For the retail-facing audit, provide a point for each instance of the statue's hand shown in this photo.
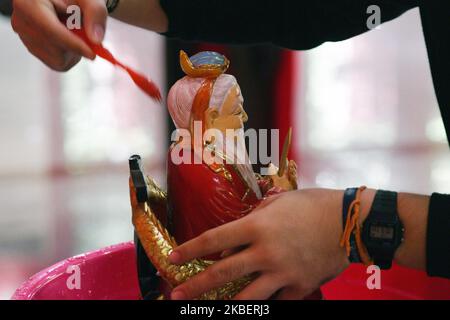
(288, 181)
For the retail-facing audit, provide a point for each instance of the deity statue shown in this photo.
(210, 179)
(222, 190)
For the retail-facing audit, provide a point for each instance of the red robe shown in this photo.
(202, 197)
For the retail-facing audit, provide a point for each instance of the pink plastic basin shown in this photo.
(106, 274)
(110, 273)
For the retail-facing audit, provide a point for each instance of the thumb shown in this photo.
(94, 19)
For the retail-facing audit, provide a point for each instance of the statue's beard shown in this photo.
(234, 148)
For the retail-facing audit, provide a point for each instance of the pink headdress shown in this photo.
(205, 85)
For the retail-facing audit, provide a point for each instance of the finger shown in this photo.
(73, 60)
(94, 18)
(29, 33)
(217, 275)
(57, 53)
(290, 294)
(39, 53)
(230, 252)
(216, 240)
(58, 58)
(261, 289)
(52, 56)
(226, 253)
(61, 6)
(45, 20)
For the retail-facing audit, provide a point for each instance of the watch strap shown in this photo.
(349, 197)
(383, 214)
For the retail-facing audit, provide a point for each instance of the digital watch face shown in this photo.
(382, 232)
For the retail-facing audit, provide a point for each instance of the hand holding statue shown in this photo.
(292, 255)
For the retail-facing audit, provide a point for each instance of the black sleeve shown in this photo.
(6, 7)
(438, 236)
(436, 27)
(295, 24)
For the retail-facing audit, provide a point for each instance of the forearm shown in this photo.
(294, 24)
(146, 14)
(413, 212)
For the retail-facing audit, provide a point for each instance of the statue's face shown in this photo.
(231, 116)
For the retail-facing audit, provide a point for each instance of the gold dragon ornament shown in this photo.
(158, 244)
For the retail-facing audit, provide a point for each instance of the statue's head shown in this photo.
(207, 94)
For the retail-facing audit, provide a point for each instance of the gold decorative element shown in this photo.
(204, 71)
(247, 192)
(221, 170)
(155, 193)
(284, 154)
(158, 244)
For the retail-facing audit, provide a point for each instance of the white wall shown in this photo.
(367, 113)
(86, 122)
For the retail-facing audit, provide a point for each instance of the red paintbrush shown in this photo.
(140, 80)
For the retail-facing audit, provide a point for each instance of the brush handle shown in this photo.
(145, 84)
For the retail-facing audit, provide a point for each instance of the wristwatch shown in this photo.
(383, 230)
